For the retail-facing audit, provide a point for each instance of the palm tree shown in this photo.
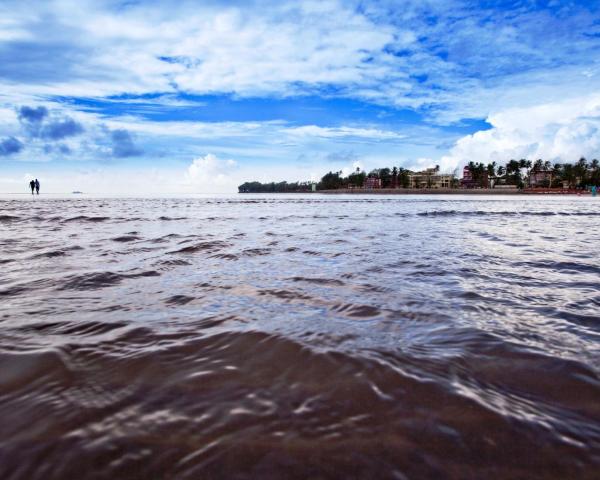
(512, 169)
(528, 171)
(480, 173)
(569, 174)
(522, 163)
(403, 177)
(595, 175)
(580, 169)
(557, 172)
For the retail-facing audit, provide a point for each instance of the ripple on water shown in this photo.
(300, 337)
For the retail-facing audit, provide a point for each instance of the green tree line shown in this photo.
(390, 178)
(519, 173)
(515, 172)
(279, 187)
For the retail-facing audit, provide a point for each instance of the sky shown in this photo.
(199, 96)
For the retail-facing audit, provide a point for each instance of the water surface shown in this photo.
(300, 337)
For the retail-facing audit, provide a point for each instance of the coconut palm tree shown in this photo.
(557, 174)
(513, 171)
(595, 172)
(581, 170)
(569, 174)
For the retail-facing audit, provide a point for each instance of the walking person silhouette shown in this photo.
(32, 186)
(37, 186)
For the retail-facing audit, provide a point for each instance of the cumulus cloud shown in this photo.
(559, 132)
(422, 163)
(212, 174)
(61, 128)
(10, 146)
(31, 118)
(123, 144)
(38, 122)
(423, 55)
(32, 114)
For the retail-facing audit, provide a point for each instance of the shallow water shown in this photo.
(300, 337)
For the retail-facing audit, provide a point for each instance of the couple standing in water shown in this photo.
(35, 185)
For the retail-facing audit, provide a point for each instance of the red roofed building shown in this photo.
(372, 182)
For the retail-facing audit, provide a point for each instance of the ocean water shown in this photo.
(300, 337)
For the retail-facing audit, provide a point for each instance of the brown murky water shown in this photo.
(300, 337)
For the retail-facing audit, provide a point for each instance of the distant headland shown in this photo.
(515, 177)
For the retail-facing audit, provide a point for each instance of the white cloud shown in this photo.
(421, 164)
(342, 132)
(351, 169)
(212, 174)
(561, 131)
(410, 54)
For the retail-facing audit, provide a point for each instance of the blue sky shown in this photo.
(183, 97)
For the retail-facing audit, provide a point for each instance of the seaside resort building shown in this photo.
(372, 182)
(430, 178)
(468, 181)
(540, 178)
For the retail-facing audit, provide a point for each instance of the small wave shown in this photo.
(89, 328)
(84, 218)
(19, 369)
(126, 238)
(253, 252)
(51, 254)
(173, 263)
(179, 300)
(318, 281)
(97, 280)
(359, 311)
(165, 238)
(225, 256)
(562, 266)
(208, 246)
(284, 294)
(91, 281)
(9, 218)
(167, 219)
(496, 213)
(27, 287)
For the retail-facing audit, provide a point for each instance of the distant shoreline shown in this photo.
(439, 191)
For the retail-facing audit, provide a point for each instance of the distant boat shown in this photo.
(76, 192)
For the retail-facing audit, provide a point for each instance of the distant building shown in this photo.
(430, 178)
(540, 178)
(469, 181)
(372, 182)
